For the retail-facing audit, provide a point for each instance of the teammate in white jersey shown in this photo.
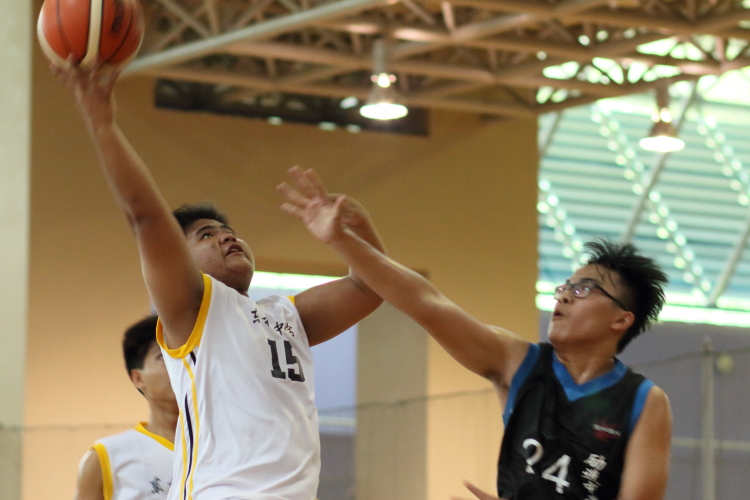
(242, 372)
(136, 464)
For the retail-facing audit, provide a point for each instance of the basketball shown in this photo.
(86, 29)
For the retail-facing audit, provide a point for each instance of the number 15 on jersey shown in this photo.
(291, 361)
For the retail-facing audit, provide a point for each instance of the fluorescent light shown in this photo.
(662, 143)
(383, 111)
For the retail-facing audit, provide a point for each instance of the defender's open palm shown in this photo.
(324, 214)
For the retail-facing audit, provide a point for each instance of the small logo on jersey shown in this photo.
(606, 432)
(156, 486)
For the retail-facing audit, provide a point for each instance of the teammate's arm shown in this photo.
(647, 456)
(329, 309)
(90, 483)
(489, 352)
(173, 280)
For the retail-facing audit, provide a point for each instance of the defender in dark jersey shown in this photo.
(580, 425)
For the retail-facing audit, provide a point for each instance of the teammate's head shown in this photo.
(214, 246)
(143, 360)
(640, 278)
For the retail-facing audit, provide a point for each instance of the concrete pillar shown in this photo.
(15, 139)
(391, 443)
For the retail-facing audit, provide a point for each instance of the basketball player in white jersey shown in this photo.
(580, 425)
(241, 371)
(136, 464)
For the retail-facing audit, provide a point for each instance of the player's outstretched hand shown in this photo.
(92, 89)
(481, 495)
(324, 214)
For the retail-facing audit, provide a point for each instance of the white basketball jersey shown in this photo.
(136, 465)
(248, 425)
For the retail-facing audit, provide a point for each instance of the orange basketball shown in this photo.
(109, 29)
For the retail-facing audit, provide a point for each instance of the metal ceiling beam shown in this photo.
(414, 33)
(530, 6)
(515, 76)
(731, 265)
(636, 89)
(265, 29)
(533, 13)
(714, 25)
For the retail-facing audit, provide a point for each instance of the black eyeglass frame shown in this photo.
(577, 288)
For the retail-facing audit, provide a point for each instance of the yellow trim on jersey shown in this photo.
(197, 333)
(108, 486)
(197, 426)
(291, 298)
(141, 427)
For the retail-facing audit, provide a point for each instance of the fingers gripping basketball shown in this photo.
(84, 30)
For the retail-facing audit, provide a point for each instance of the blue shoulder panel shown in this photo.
(519, 378)
(639, 403)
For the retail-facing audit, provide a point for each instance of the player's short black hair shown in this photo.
(136, 342)
(643, 279)
(188, 213)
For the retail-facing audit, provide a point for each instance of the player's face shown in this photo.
(596, 318)
(153, 379)
(220, 254)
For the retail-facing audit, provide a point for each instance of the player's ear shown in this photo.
(137, 379)
(623, 321)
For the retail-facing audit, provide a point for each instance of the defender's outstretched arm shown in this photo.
(329, 309)
(487, 351)
(173, 280)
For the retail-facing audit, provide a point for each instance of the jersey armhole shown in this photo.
(107, 479)
(519, 378)
(195, 336)
(640, 401)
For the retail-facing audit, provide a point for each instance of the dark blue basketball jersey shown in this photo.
(563, 440)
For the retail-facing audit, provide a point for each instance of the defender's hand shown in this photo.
(481, 495)
(322, 213)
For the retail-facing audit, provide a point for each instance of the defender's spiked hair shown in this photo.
(642, 277)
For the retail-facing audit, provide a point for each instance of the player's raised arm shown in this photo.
(482, 349)
(173, 280)
(646, 470)
(329, 309)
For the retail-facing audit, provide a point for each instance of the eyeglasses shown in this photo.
(583, 289)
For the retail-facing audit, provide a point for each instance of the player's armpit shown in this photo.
(329, 309)
(90, 483)
(647, 456)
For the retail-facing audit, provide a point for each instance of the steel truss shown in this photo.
(483, 56)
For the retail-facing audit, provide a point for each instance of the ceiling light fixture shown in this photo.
(663, 136)
(383, 101)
